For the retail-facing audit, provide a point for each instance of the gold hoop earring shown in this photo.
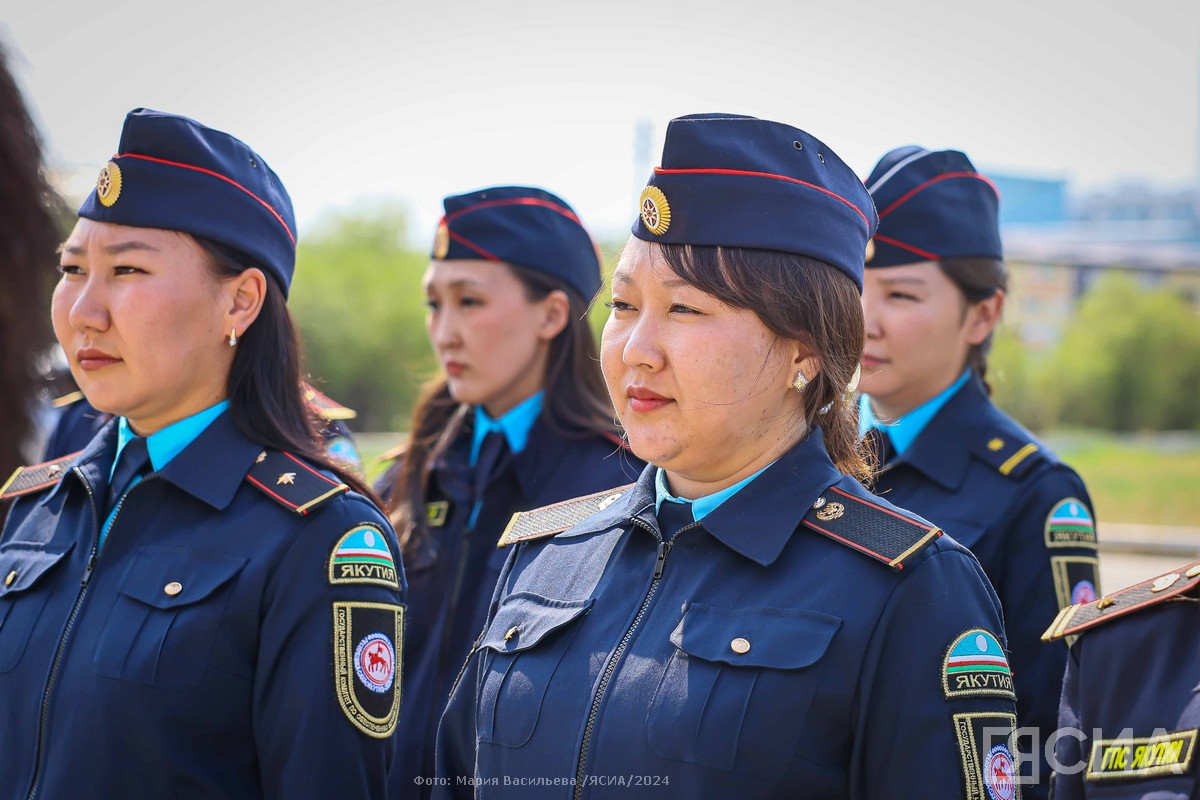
(233, 340)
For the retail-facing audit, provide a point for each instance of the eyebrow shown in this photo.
(671, 283)
(112, 249)
(891, 281)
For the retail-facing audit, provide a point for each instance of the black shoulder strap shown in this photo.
(883, 532)
(291, 482)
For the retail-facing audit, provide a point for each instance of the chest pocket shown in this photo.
(738, 685)
(522, 649)
(161, 629)
(23, 594)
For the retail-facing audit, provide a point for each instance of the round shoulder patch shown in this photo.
(1000, 773)
(1070, 524)
(362, 555)
(975, 665)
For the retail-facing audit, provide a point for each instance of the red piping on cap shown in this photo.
(230, 181)
(516, 201)
(838, 197)
(468, 243)
(922, 187)
(925, 254)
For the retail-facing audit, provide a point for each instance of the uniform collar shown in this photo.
(904, 431)
(514, 424)
(756, 521)
(701, 506)
(167, 443)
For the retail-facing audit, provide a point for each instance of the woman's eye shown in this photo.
(70, 269)
(126, 270)
(618, 305)
(902, 296)
(679, 308)
(470, 302)
(431, 304)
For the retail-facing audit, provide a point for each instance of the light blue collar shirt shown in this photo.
(905, 430)
(514, 424)
(701, 506)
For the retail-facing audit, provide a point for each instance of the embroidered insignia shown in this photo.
(655, 210)
(556, 518)
(367, 662)
(986, 747)
(441, 240)
(1075, 576)
(1070, 524)
(1167, 754)
(995, 444)
(870, 254)
(306, 490)
(975, 666)
(35, 478)
(362, 555)
(108, 184)
(1077, 618)
(884, 533)
(831, 512)
(436, 513)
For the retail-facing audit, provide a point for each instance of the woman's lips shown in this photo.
(872, 363)
(644, 400)
(91, 359)
(454, 369)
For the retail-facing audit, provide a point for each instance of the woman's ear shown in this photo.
(556, 310)
(245, 294)
(983, 317)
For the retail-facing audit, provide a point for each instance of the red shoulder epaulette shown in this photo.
(885, 534)
(32, 479)
(1083, 616)
(291, 482)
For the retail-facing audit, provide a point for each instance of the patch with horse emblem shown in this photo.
(975, 666)
(362, 555)
(1070, 524)
(367, 661)
(985, 745)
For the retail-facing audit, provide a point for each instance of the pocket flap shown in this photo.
(761, 636)
(26, 562)
(167, 577)
(524, 619)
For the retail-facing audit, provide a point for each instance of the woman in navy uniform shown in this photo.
(934, 292)
(1130, 712)
(197, 605)
(746, 620)
(519, 419)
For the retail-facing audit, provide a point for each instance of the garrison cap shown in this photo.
(932, 205)
(173, 173)
(523, 226)
(738, 181)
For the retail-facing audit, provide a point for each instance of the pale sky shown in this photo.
(360, 101)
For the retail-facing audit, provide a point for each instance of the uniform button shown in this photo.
(1165, 582)
(511, 632)
(1193, 572)
(173, 588)
(740, 646)
(12, 576)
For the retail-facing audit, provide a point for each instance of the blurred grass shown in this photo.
(1153, 480)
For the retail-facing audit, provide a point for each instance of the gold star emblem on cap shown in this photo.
(655, 210)
(287, 477)
(108, 184)
(870, 251)
(995, 444)
(441, 240)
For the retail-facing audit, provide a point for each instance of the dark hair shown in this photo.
(266, 394)
(29, 232)
(978, 279)
(799, 299)
(576, 406)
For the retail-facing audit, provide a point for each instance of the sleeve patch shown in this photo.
(985, 746)
(1168, 754)
(1076, 579)
(367, 664)
(1070, 524)
(362, 555)
(975, 666)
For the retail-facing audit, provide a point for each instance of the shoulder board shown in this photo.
(291, 482)
(1084, 616)
(1010, 455)
(549, 520)
(67, 399)
(32, 479)
(884, 533)
(325, 407)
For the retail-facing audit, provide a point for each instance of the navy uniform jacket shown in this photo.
(1025, 515)
(450, 588)
(1130, 710)
(209, 648)
(764, 652)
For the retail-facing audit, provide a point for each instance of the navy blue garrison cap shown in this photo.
(932, 205)
(523, 226)
(173, 173)
(738, 181)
